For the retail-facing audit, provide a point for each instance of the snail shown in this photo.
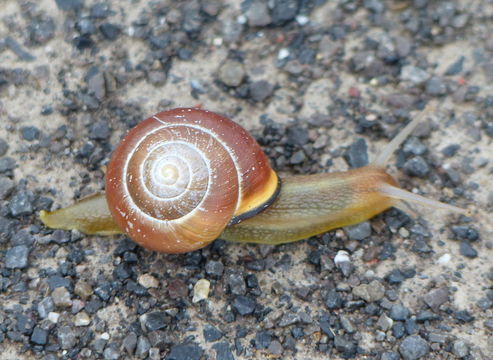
(184, 177)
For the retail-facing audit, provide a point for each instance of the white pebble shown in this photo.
(444, 259)
(201, 290)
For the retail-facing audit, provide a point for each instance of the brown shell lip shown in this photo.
(239, 218)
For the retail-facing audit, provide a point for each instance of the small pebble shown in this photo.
(148, 281)
(17, 257)
(231, 73)
(82, 319)
(201, 290)
(61, 297)
(414, 347)
(4, 147)
(245, 305)
(467, 250)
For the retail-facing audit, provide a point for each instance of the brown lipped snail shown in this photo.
(184, 177)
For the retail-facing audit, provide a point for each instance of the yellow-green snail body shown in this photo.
(184, 177)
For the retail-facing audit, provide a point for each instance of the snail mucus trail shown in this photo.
(184, 177)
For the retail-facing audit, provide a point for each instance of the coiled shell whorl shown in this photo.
(180, 177)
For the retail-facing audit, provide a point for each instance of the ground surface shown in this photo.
(316, 82)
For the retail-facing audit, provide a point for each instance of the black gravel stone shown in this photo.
(416, 166)
(333, 300)
(456, 67)
(414, 347)
(30, 133)
(7, 164)
(411, 326)
(41, 30)
(100, 10)
(7, 186)
(297, 135)
(463, 232)
(414, 147)
(21, 203)
(223, 351)
(398, 330)
(155, 321)
(436, 86)
(399, 312)
(39, 336)
(260, 90)
(262, 340)
(214, 268)
(83, 42)
(463, 316)
(100, 130)
(110, 31)
(93, 306)
(357, 154)
(45, 306)
(390, 355)
(4, 147)
(236, 283)
(103, 291)
(284, 11)
(70, 5)
(86, 26)
(56, 281)
(450, 150)
(359, 231)
(395, 277)
(67, 337)
(17, 257)
(467, 250)
(244, 305)
(346, 347)
(186, 351)
(211, 333)
(426, 315)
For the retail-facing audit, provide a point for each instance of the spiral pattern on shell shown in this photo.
(181, 176)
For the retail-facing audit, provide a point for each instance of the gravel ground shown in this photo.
(320, 84)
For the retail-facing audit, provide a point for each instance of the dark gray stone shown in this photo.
(6, 187)
(357, 154)
(284, 10)
(70, 5)
(245, 305)
(66, 337)
(414, 347)
(436, 86)
(7, 164)
(186, 351)
(39, 336)
(467, 250)
(154, 321)
(21, 203)
(416, 166)
(17, 257)
(359, 231)
(214, 268)
(223, 351)
(211, 333)
(4, 147)
(260, 90)
(399, 312)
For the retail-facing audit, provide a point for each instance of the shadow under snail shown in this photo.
(184, 177)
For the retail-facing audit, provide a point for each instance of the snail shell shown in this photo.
(181, 176)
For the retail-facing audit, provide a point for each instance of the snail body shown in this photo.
(187, 176)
